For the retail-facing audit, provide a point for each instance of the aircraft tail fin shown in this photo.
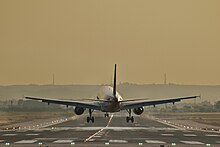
(114, 85)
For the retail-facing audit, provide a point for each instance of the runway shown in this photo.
(112, 131)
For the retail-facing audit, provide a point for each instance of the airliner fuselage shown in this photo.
(109, 102)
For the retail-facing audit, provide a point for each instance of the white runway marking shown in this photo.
(90, 137)
(167, 134)
(192, 142)
(9, 134)
(116, 129)
(1, 140)
(32, 134)
(218, 141)
(154, 141)
(63, 141)
(189, 135)
(118, 141)
(26, 141)
(212, 135)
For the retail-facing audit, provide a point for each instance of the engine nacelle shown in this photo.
(138, 111)
(79, 110)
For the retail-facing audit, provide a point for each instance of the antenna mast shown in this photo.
(53, 80)
(165, 79)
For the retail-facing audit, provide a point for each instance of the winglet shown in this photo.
(114, 86)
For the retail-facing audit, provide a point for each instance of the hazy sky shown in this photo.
(80, 40)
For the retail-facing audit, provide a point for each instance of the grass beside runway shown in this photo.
(205, 118)
(7, 118)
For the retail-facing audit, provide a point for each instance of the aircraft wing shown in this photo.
(89, 105)
(141, 103)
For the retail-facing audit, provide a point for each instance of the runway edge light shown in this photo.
(7, 143)
(173, 144)
(140, 143)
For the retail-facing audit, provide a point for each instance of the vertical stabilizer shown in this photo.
(114, 86)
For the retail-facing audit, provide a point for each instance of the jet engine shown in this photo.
(138, 111)
(79, 110)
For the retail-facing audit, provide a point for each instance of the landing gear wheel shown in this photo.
(128, 118)
(90, 117)
(106, 115)
(132, 119)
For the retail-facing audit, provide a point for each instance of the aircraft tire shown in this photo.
(88, 119)
(127, 119)
(132, 119)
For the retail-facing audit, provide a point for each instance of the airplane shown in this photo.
(110, 101)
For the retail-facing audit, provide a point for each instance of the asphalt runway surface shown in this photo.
(112, 131)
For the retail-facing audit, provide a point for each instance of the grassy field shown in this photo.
(206, 118)
(7, 118)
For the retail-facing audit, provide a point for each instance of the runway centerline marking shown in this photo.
(90, 137)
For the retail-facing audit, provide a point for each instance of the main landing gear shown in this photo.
(106, 114)
(90, 117)
(129, 117)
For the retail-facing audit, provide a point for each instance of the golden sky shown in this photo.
(80, 40)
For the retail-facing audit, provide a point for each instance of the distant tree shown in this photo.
(187, 108)
(217, 105)
(174, 108)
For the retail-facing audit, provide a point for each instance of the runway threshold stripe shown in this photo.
(26, 141)
(167, 134)
(9, 134)
(154, 141)
(189, 135)
(63, 141)
(32, 134)
(192, 142)
(212, 135)
(118, 141)
(90, 137)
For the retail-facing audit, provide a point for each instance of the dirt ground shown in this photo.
(196, 120)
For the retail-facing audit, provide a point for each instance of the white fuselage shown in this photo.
(109, 102)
